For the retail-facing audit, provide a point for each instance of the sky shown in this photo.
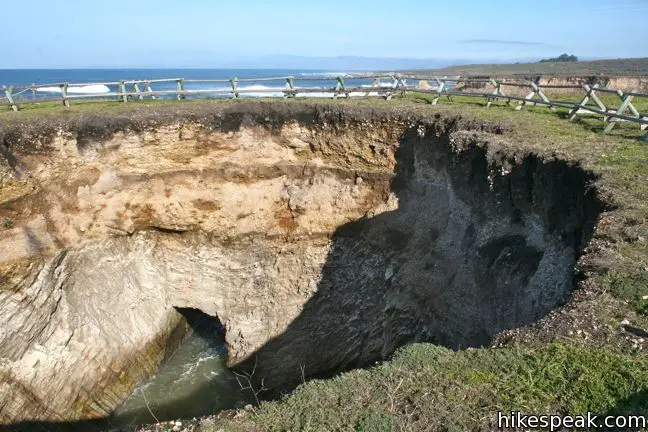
(208, 33)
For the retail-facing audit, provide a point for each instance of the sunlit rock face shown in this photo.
(321, 237)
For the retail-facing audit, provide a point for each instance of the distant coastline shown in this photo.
(611, 67)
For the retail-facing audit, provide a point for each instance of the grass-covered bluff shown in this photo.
(427, 387)
(587, 356)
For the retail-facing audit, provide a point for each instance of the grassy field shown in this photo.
(615, 67)
(593, 122)
(590, 122)
(590, 355)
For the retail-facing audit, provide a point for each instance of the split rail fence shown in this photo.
(130, 90)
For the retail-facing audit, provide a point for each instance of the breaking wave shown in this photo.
(88, 89)
(326, 74)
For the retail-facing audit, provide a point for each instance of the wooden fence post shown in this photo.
(234, 84)
(543, 96)
(122, 91)
(8, 94)
(374, 83)
(181, 89)
(149, 89)
(626, 102)
(64, 95)
(400, 83)
(590, 92)
(136, 89)
(33, 90)
(535, 90)
(524, 102)
(290, 87)
(340, 87)
(389, 94)
(631, 107)
(497, 92)
(440, 89)
(445, 89)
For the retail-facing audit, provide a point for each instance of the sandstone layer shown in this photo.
(321, 237)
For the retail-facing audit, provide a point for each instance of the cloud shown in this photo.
(504, 42)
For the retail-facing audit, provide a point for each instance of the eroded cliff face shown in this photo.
(322, 238)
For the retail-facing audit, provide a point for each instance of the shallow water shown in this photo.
(195, 381)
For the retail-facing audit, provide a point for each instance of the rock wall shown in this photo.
(322, 238)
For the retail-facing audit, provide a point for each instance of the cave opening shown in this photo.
(193, 381)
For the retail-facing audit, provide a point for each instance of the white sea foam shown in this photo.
(190, 369)
(263, 91)
(89, 89)
(326, 74)
(245, 91)
(274, 91)
(389, 84)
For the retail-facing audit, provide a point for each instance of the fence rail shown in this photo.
(129, 90)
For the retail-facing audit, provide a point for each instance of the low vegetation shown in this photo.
(427, 387)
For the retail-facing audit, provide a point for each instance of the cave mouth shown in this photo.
(193, 381)
(320, 249)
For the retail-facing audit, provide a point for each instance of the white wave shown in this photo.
(341, 95)
(245, 91)
(89, 89)
(389, 84)
(279, 91)
(189, 369)
(264, 93)
(326, 74)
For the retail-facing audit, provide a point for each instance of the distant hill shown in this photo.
(613, 67)
(346, 63)
(340, 63)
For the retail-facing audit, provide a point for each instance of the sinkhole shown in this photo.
(277, 241)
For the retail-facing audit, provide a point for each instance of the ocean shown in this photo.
(95, 81)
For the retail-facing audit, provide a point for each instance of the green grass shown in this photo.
(592, 122)
(86, 107)
(426, 387)
(633, 288)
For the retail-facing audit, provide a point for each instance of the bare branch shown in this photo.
(248, 378)
(148, 407)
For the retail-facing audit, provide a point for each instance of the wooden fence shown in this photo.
(131, 90)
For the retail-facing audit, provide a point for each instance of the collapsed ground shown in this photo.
(607, 312)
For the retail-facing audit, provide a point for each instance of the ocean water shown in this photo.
(194, 382)
(97, 81)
